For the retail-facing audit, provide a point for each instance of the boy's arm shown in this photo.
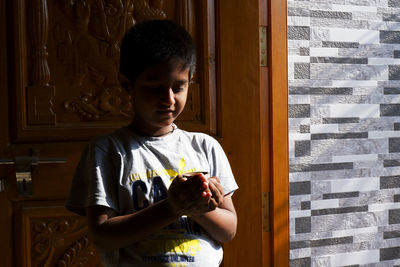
(109, 231)
(221, 221)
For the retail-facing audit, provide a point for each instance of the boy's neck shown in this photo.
(152, 133)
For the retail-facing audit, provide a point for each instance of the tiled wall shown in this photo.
(344, 109)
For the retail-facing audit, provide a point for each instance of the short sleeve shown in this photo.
(220, 167)
(94, 182)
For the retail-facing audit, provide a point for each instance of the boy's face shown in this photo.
(159, 96)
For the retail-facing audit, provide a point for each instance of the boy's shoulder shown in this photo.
(200, 137)
(114, 138)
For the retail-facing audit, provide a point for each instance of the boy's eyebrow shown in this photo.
(157, 81)
(182, 81)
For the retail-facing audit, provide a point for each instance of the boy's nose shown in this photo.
(168, 97)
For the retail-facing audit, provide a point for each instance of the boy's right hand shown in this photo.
(189, 196)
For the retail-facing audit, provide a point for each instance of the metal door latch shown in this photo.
(23, 171)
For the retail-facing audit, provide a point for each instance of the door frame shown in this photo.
(255, 107)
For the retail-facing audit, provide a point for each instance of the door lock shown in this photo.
(23, 171)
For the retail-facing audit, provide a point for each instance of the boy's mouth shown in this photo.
(165, 111)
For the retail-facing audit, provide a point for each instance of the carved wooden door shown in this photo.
(60, 87)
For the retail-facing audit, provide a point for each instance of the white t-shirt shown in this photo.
(128, 172)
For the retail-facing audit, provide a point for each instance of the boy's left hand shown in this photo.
(217, 193)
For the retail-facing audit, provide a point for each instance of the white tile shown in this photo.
(324, 204)
(383, 206)
(355, 231)
(391, 99)
(355, 184)
(324, 52)
(298, 43)
(299, 213)
(383, 61)
(354, 110)
(351, 35)
(298, 21)
(299, 99)
(347, 158)
(353, 83)
(360, 257)
(383, 134)
(299, 59)
(324, 128)
(350, 8)
(299, 136)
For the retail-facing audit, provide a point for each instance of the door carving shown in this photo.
(66, 65)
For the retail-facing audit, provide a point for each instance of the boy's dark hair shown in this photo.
(151, 42)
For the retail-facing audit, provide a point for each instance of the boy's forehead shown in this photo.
(166, 71)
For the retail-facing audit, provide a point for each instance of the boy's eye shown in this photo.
(177, 89)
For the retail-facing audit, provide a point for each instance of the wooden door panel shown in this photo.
(65, 63)
(49, 235)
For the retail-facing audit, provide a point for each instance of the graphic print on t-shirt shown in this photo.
(177, 243)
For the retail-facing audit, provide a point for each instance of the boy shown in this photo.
(137, 186)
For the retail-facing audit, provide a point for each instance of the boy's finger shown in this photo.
(217, 193)
(216, 185)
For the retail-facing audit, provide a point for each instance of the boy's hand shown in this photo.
(189, 196)
(217, 193)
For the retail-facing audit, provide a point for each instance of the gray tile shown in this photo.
(302, 262)
(300, 244)
(298, 12)
(299, 111)
(302, 148)
(340, 195)
(394, 145)
(391, 163)
(394, 3)
(305, 205)
(387, 182)
(330, 14)
(390, 17)
(339, 210)
(304, 51)
(322, 136)
(332, 241)
(394, 216)
(340, 44)
(340, 120)
(389, 37)
(302, 70)
(391, 234)
(389, 110)
(389, 253)
(303, 225)
(394, 72)
(302, 90)
(298, 33)
(320, 167)
(304, 128)
(391, 90)
(339, 60)
(300, 188)
(299, 90)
